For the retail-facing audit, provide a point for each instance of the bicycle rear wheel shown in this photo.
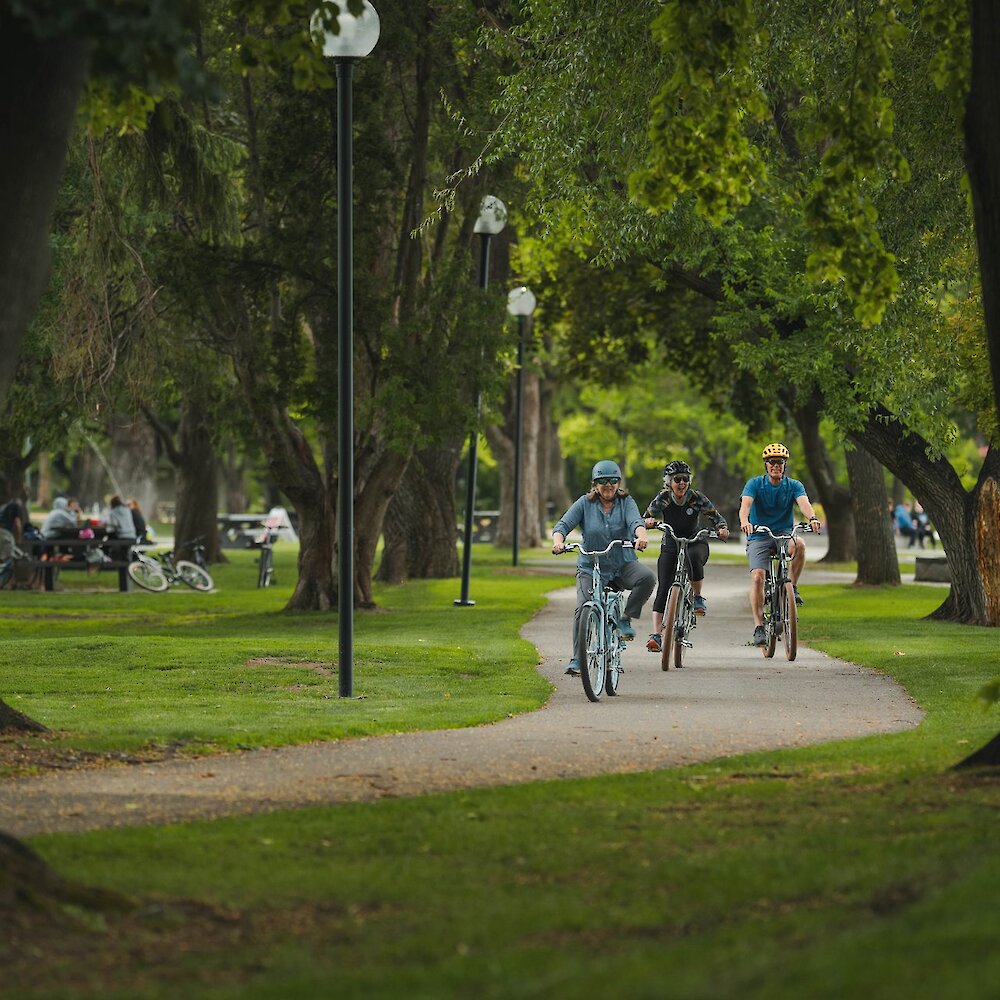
(772, 620)
(266, 567)
(614, 647)
(194, 576)
(789, 622)
(593, 666)
(670, 626)
(682, 629)
(147, 575)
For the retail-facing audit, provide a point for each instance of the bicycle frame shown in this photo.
(779, 611)
(599, 643)
(678, 617)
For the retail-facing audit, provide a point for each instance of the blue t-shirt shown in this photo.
(773, 506)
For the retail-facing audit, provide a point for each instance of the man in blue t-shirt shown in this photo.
(770, 500)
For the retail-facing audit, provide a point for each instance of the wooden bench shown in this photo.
(49, 555)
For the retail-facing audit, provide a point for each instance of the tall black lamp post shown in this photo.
(355, 40)
(520, 303)
(492, 219)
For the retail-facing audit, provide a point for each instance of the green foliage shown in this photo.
(703, 110)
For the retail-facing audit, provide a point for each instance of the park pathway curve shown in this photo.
(728, 700)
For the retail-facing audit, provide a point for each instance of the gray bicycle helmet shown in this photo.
(605, 468)
(676, 468)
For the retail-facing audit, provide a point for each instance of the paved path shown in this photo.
(728, 700)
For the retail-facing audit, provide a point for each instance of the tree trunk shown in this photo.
(41, 81)
(553, 494)
(420, 526)
(377, 482)
(878, 563)
(11, 720)
(836, 500)
(133, 460)
(967, 522)
(197, 484)
(982, 159)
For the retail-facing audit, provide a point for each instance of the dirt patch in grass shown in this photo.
(322, 669)
(24, 755)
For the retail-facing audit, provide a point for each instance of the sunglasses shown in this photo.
(680, 479)
(607, 481)
(774, 461)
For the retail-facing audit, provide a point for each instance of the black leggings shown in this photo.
(666, 567)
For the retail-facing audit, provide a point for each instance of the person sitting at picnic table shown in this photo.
(119, 522)
(61, 521)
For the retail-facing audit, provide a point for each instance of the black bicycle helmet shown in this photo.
(676, 468)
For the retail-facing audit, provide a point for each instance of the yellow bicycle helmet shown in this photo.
(775, 450)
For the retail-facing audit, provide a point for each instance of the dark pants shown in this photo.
(666, 567)
(637, 579)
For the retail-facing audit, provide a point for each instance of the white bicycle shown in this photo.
(159, 573)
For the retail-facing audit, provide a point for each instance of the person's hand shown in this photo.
(745, 527)
(814, 524)
(558, 547)
(650, 522)
(641, 543)
(723, 533)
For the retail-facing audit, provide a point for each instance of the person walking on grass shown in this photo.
(604, 514)
(770, 500)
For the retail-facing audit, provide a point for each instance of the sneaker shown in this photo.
(655, 643)
(625, 627)
(573, 667)
(798, 596)
(759, 636)
(700, 605)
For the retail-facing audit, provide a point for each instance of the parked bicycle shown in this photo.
(781, 616)
(265, 542)
(197, 546)
(157, 573)
(599, 642)
(679, 618)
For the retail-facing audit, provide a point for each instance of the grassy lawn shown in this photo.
(138, 672)
(866, 866)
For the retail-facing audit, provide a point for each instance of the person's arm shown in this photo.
(636, 524)
(714, 515)
(570, 520)
(807, 509)
(745, 504)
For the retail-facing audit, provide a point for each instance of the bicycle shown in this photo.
(780, 612)
(197, 546)
(157, 573)
(679, 617)
(599, 643)
(265, 542)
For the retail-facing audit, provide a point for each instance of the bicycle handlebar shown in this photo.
(764, 529)
(575, 547)
(700, 536)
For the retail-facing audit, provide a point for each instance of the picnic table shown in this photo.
(53, 555)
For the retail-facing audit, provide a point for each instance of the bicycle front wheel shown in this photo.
(193, 575)
(593, 666)
(789, 621)
(670, 626)
(147, 575)
(615, 643)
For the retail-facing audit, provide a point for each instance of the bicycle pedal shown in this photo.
(690, 645)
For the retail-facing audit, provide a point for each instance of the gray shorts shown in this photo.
(759, 549)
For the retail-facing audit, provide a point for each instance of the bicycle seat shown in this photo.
(616, 587)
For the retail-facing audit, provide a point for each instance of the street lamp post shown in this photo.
(492, 219)
(355, 40)
(520, 303)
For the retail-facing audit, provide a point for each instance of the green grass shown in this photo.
(230, 669)
(865, 866)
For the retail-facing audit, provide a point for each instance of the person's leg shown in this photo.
(758, 556)
(697, 557)
(639, 581)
